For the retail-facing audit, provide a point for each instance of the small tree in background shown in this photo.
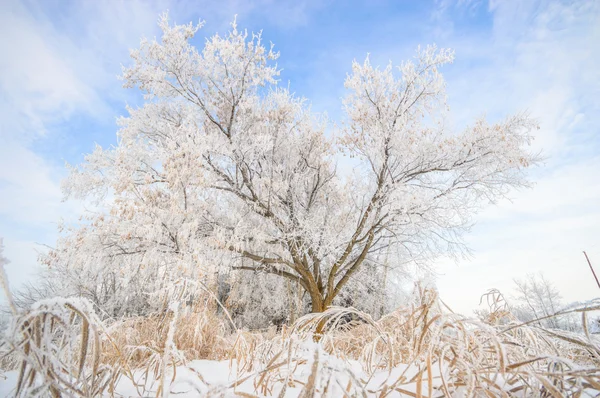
(223, 169)
(536, 298)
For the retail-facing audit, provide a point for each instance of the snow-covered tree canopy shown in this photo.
(222, 166)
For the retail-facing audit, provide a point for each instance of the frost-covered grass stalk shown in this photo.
(56, 344)
(4, 280)
(169, 348)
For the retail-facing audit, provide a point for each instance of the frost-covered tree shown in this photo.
(221, 167)
(538, 298)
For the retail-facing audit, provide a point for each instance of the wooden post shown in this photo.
(591, 268)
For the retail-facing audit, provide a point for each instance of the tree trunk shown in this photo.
(316, 298)
(318, 306)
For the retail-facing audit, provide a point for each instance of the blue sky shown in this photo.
(59, 95)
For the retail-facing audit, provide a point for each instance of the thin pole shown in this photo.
(591, 268)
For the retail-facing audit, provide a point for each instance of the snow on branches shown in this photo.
(223, 169)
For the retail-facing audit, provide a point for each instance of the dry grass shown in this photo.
(57, 346)
(198, 334)
(448, 354)
(423, 350)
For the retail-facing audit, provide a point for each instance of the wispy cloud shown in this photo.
(536, 56)
(49, 76)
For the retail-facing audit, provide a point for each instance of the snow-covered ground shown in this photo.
(200, 377)
(335, 377)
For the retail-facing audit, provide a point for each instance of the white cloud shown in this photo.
(564, 190)
(37, 83)
(45, 79)
(29, 191)
(539, 57)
